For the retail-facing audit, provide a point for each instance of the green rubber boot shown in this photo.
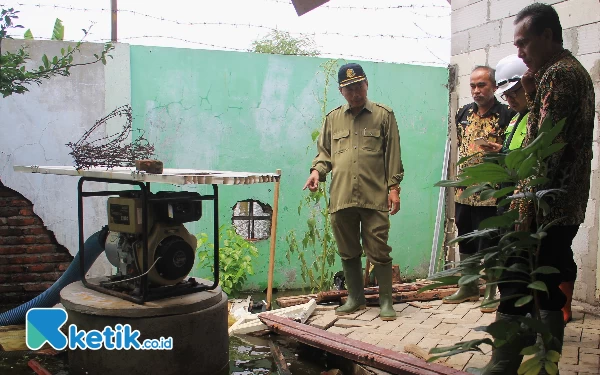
(354, 284)
(554, 321)
(383, 273)
(466, 292)
(490, 294)
(507, 358)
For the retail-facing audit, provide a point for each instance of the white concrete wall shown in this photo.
(482, 34)
(35, 127)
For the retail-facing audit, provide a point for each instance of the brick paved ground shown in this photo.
(442, 325)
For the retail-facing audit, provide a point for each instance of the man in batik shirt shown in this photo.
(555, 84)
(485, 119)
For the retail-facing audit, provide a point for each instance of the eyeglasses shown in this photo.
(512, 94)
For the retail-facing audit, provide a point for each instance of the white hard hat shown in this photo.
(509, 72)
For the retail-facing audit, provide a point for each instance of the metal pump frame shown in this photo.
(146, 292)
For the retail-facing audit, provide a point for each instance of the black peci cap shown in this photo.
(351, 73)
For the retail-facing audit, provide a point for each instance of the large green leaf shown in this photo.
(546, 270)
(538, 285)
(547, 151)
(538, 181)
(526, 167)
(28, 35)
(471, 190)
(523, 301)
(59, 30)
(531, 366)
(530, 350)
(486, 172)
(514, 159)
(553, 355)
(502, 192)
(550, 130)
(487, 194)
(551, 368)
(468, 279)
(505, 220)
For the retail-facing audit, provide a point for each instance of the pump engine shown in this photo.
(171, 248)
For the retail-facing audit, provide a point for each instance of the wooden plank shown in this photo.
(371, 355)
(37, 367)
(272, 242)
(280, 362)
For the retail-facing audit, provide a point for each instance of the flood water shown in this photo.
(247, 355)
(250, 355)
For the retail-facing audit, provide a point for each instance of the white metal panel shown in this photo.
(169, 176)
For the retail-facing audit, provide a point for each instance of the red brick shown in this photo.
(9, 211)
(24, 240)
(34, 230)
(58, 257)
(12, 268)
(10, 288)
(36, 259)
(21, 221)
(24, 231)
(12, 250)
(8, 231)
(34, 277)
(47, 267)
(27, 249)
(37, 287)
(12, 202)
(40, 249)
(4, 192)
(63, 266)
(17, 298)
(26, 212)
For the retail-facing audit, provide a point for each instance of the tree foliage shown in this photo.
(14, 77)
(283, 43)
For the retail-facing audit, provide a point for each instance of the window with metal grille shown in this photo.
(252, 219)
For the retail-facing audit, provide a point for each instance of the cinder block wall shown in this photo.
(482, 34)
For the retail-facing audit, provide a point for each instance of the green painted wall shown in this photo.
(251, 112)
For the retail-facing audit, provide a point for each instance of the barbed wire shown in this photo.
(240, 25)
(234, 49)
(411, 6)
(227, 48)
(237, 25)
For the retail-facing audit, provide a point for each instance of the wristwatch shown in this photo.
(394, 187)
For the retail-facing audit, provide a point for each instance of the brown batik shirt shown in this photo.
(470, 126)
(564, 89)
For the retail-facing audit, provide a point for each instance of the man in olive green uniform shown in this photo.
(360, 144)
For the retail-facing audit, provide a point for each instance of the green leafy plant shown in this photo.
(317, 247)
(235, 258)
(524, 172)
(58, 32)
(283, 43)
(14, 77)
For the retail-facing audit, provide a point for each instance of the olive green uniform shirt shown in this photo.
(363, 154)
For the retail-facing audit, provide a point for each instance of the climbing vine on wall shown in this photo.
(314, 244)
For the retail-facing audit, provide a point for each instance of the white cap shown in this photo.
(509, 71)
